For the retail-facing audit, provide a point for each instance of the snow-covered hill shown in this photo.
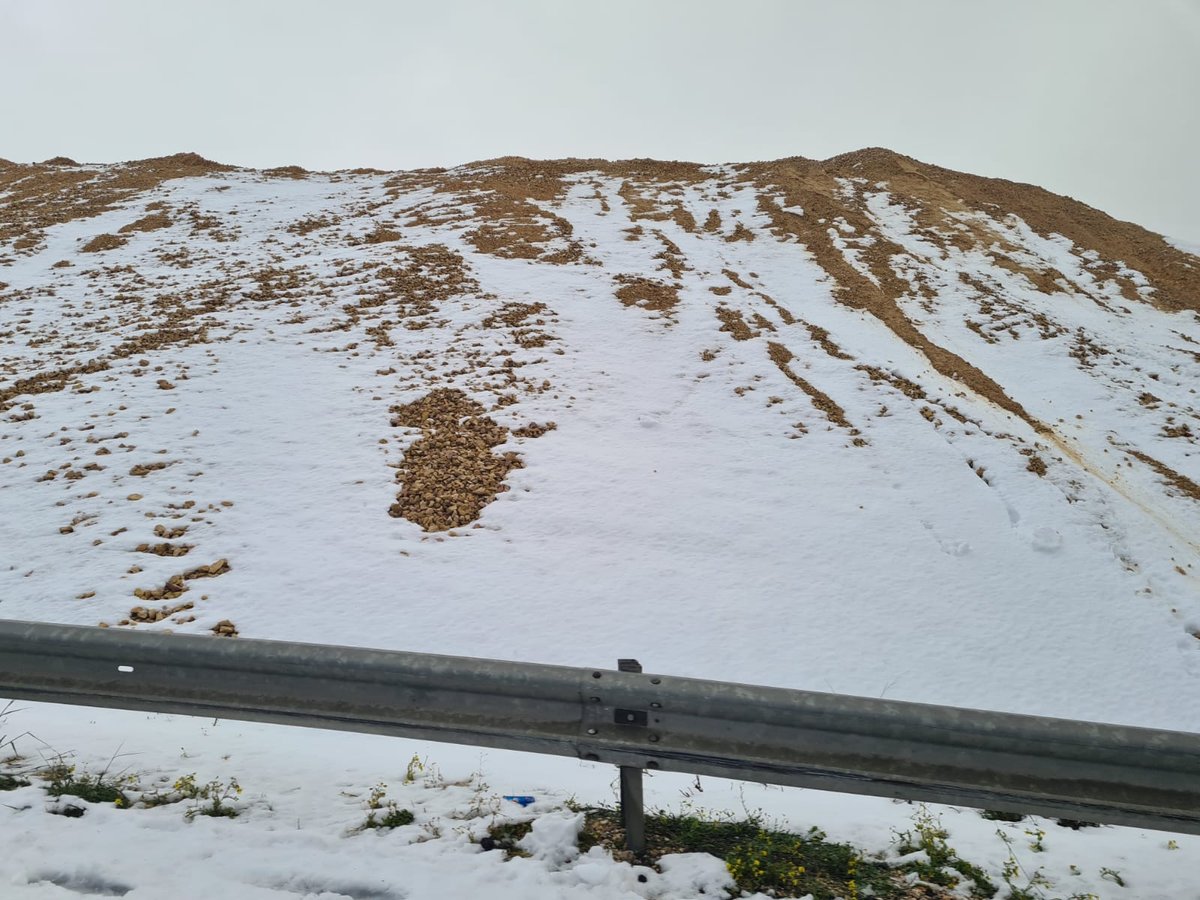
(862, 425)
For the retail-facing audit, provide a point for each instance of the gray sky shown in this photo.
(1092, 98)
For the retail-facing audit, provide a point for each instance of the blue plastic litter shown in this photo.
(523, 799)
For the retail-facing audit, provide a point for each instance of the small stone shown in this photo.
(134, 497)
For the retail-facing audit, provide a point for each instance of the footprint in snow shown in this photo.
(1046, 539)
(82, 881)
(309, 887)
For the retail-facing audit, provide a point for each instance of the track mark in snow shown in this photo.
(303, 886)
(1123, 488)
(87, 883)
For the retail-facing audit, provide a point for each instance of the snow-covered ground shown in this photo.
(695, 507)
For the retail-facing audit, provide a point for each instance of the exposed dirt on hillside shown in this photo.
(510, 201)
(504, 218)
(1175, 277)
(40, 195)
(782, 357)
(449, 473)
(1179, 482)
(803, 183)
(152, 222)
(647, 293)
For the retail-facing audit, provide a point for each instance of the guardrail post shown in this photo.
(633, 812)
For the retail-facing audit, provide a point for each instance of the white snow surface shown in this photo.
(698, 514)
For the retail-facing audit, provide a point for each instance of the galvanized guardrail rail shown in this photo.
(1015, 763)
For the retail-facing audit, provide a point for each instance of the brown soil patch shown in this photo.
(684, 219)
(647, 293)
(507, 221)
(152, 222)
(671, 258)
(450, 473)
(176, 585)
(47, 382)
(762, 322)
(533, 429)
(103, 242)
(784, 314)
(381, 235)
(286, 172)
(144, 469)
(909, 389)
(408, 293)
(505, 194)
(821, 336)
(737, 279)
(781, 356)
(310, 224)
(525, 321)
(165, 549)
(151, 614)
(740, 233)
(36, 197)
(1181, 430)
(813, 186)
(934, 190)
(732, 322)
(1181, 483)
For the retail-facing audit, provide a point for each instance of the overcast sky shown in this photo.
(1096, 99)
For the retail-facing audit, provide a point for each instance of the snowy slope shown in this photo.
(846, 426)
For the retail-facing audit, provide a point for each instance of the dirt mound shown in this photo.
(1176, 281)
(179, 165)
(815, 188)
(102, 242)
(647, 293)
(36, 197)
(286, 172)
(152, 222)
(450, 473)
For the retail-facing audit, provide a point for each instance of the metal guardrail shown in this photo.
(1052, 767)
